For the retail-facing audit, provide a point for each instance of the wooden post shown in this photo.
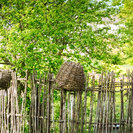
(64, 111)
(72, 112)
(68, 113)
(104, 103)
(52, 104)
(44, 106)
(13, 100)
(50, 77)
(108, 102)
(91, 104)
(16, 103)
(101, 83)
(132, 101)
(79, 111)
(98, 110)
(111, 102)
(8, 108)
(114, 100)
(83, 119)
(128, 121)
(32, 127)
(38, 106)
(23, 112)
(122, 106)
(63, 125)
(61, 111)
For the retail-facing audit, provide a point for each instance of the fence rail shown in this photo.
(104, 106)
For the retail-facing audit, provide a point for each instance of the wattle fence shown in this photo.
(104, 106)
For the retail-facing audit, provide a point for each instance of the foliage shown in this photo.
(42, 34)
(126, 15)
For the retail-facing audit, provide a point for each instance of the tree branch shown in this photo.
(3, 63)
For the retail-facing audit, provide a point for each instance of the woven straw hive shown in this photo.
(71, 76)
(5, 78)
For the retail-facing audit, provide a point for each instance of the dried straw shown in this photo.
(5, 78)
(71, 76)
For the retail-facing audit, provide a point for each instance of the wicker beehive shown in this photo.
(71, 76)
(5, 78)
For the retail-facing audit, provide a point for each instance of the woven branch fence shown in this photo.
(105, 105)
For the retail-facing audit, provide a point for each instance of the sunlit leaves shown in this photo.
(42, 34)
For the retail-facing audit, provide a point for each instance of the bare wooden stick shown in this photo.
(111, 103)
(132, 99)
(78, 111)
(122, 106)
(61, 111)
(72, 112)
(49, 104)
(91, 104)
(64, 111)
(44, 108)
(97, 118)
(24, 100)
(68, 113)
(83, 119)
(52, 104)
(108, 102)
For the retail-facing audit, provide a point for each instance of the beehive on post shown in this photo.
(71, 76)
(5, 78)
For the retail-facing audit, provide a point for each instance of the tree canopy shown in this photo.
(126, 15)
(41, 34)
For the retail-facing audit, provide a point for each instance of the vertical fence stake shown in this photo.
(72, 112)
(91, 104)
(122, 106)
(50, 76)
(132, 101)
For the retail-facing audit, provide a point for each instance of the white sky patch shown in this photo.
(1, 65)
(110, 23)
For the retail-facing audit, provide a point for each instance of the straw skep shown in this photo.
(5, 78)
(71, 76)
